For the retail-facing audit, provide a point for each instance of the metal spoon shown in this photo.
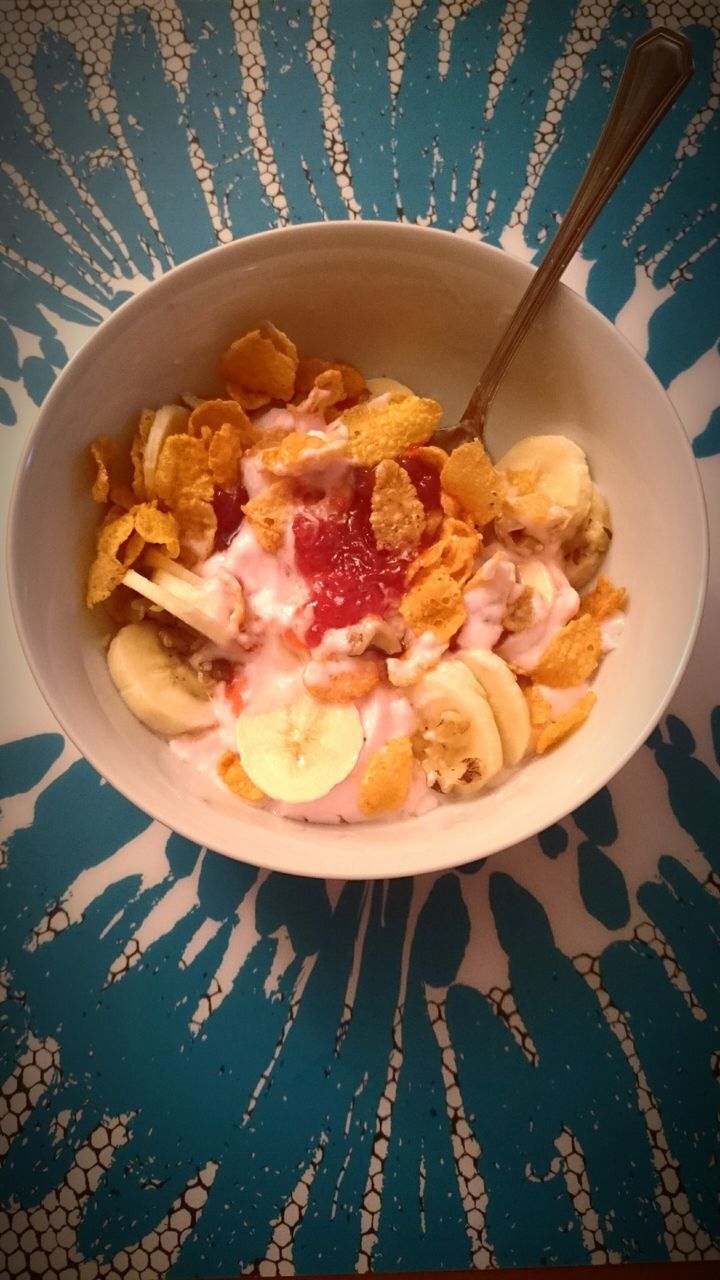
(659, 66)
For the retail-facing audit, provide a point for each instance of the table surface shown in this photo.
(212, 1069)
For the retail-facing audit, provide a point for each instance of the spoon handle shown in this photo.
(659, 66)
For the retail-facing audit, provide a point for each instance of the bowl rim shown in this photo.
(114, 324)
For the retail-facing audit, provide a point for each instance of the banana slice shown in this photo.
(176, 596)
(535, 574)
(170, 420)
(158, 687)
(585, 552)
(506, 701)
(559, 469)
(462, 749)
(156, 560)
(386, 386)
(300, 752)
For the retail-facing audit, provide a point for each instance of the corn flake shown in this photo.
(232, 774)
(137, 453)
(388, 429)
(247, 399)
(225, 452)
(572, 655)
(523, 482)
(260, 367)
(532, 508)
(432, 454)
(603, 600)
(455, 551)
(386, 781)
(471, 479)
(107, 569)
(397, 515)
(312, 372)
(158, 527)
(434, 602)
(216, 413)
(520, 613)
(553, 733)
(450, 506)
(110, 484)
(539, 708)
(182, 466)
(269, 514)
(104, 454)
(197, 526)
(344, 680)
(300, 452)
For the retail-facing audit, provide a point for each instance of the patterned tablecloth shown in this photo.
(210, 1068)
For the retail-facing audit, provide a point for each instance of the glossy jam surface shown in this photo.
(348, 576)
(426, 479)
(227, 505)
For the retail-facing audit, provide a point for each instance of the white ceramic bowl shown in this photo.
(425, 307)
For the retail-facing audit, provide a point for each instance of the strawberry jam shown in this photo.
(227, 505)
(425, 478)
(349, 576)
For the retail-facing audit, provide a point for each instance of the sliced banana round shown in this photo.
(170, 420)
(559, 470)
(586, 550)
(300, 752)
(461, 746)
(506, 701)
(161, 690)
(386, 386)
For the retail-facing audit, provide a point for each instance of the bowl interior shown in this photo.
(426, 307)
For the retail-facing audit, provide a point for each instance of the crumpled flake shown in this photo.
(538, 706)
(269, 515)
(158, 527)
(471, 479)
(397, 515)
(225, 452)
(432, 454)
(572, 655)
(108, 569)
(110, 484)
(312, 371)
(342, 679)
(183, 466)
(137, 453)
(121, 539)
(260, 367)
(386, 781)
(571, 719)
(197, 526)
(104, 453)
(520, 613)
(434, 602)
(378, 431)
(216, 413)
(454, 550)
(523, 482)
(232, 774)
(300, 452)
(604, 599)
